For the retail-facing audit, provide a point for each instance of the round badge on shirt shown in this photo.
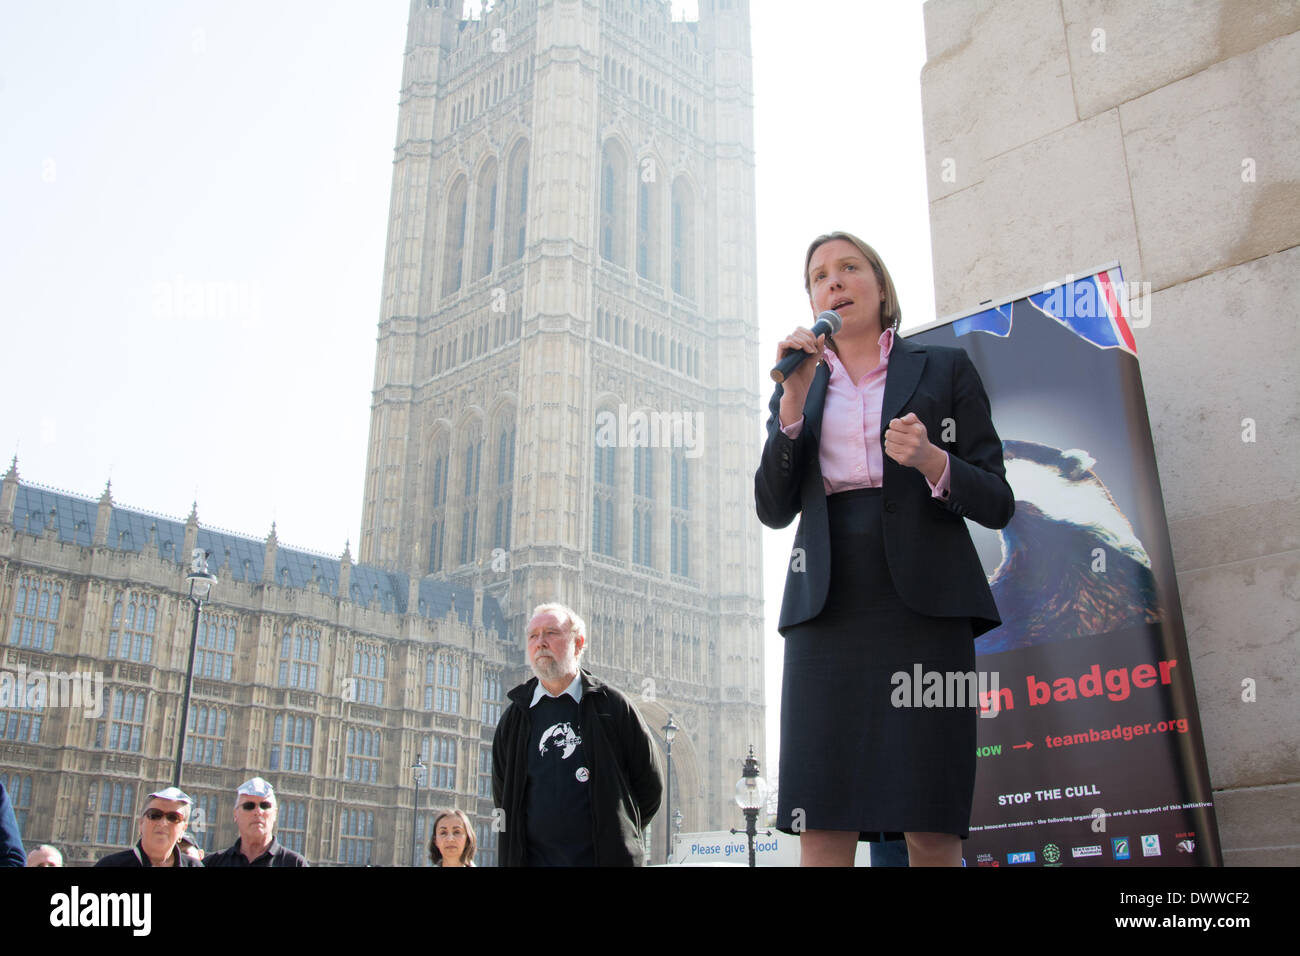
(582, 774)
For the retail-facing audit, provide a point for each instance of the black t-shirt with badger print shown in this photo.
(558, 802)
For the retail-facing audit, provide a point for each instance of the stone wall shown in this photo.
(1065, 134)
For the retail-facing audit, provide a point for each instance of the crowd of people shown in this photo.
(164, 838)
(575, 774)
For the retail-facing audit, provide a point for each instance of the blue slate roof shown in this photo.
(75, 517)
(237, 558)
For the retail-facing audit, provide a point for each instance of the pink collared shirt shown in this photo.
(850, 453)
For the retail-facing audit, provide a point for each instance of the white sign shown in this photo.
(723, 848)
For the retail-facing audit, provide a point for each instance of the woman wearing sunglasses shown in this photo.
(164, 819)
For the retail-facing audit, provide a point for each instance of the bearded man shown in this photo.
(574, 767)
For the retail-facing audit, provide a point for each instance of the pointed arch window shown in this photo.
(604, 490)
(516, 219)
(647, 229)
(116, 814)
(442, 683)
(36, 613)
(368, 672)
(613, 217)
(205, 742)
(680, 497)
(364, 750)
(299, 657)
(473, 456)
(438, 505)
(454, 237)
(643, 509)
(485, 220)
(133, 626)
(505, 485)
(215, 657)
(291, 739)
(683, 240)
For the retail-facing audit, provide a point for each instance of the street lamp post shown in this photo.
(751, 791)
(201, 582)
(417, 772)
(670, 731)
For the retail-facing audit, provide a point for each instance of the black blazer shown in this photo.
(932, 561)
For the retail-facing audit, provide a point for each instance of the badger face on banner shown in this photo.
(1071, 563)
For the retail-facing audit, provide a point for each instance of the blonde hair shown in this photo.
(891, 313)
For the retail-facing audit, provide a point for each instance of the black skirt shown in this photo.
(850, 759)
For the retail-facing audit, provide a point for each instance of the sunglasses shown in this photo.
(250, 805)
(154, 814)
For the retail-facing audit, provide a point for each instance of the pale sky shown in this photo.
(193, 207)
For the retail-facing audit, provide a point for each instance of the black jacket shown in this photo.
(627, 778)
(933, 563)
(136, 857)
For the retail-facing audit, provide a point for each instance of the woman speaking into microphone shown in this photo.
(880, 447)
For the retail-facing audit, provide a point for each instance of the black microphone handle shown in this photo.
(789, 362)
(827, 323)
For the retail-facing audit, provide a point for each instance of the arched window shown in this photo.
(680, 545)
(472, 456)
(485, 220)
(215, 656)
(133, 626)
(442, 683)
(643, 508)
(368, 668)
(291, 739)
(683, 236)
(205, 741)
(116, 814)
(505, 455)
(438, 503)
(647, 225)
(364, 747)
(454, 237)
(604, 483)
(516, 218)
(36, 613)
(613, 218)
(299, 657)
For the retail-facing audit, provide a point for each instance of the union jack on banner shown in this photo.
(1088, 307)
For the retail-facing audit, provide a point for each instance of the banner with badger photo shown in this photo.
(1090, 751)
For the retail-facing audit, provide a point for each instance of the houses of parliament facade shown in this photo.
(565, 407)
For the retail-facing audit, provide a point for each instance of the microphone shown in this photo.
(828, 323)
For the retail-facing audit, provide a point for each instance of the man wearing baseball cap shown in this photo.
(164, 819)
(255, 812)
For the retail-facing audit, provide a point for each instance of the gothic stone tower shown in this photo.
(565, 401)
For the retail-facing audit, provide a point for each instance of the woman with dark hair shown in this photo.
(880, 447)
(452, 842)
